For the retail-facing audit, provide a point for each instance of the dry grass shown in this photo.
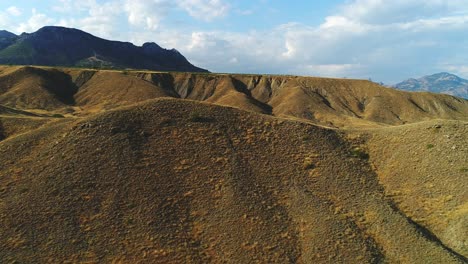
(180, 181)
(421, 167)
(336, 103)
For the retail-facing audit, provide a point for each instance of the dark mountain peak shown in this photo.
(53, 31)
(175, 51)
(56, 29)
(61, 46)
(151, 45)
(62, 30)
(152, 48)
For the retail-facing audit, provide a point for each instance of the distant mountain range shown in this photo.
(437, 83)
(59, 46)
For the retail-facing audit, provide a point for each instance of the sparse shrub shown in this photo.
(308, 164)
(429, 146)
(198, 117)
(359, 153)
(166, 122)
(464, 169)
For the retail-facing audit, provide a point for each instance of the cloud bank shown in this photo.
(383, 40)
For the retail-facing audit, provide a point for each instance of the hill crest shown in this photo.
(334, 103)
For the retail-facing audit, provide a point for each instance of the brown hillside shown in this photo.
(112, 89)
(329, 102)
(14, 112)
(35, 88)
(424, 167)
(11, 126)
(174, 181)
(14, 121)
(151, 167)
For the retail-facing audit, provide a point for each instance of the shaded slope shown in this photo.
(36, 88)
(6, 39)
(152, 183)
(217, 89)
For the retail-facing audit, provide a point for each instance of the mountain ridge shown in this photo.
(6, 38)
(60, 46)
(442, 82)
(5, 33)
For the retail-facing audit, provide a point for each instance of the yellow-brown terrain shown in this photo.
(150, 167)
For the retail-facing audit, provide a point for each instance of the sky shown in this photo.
(386, 41)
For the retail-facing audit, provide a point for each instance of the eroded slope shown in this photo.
(337, 103)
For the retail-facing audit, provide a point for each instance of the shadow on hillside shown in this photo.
(58, 83)
(2, 133)
(242, 87)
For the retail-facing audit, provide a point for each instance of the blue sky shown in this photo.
(384, 40)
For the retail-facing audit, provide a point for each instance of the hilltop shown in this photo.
(59, 46)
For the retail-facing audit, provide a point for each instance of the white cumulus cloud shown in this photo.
(147, 13)
(204, 9)
(14, 11)
(383, 40)
(36, 21)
